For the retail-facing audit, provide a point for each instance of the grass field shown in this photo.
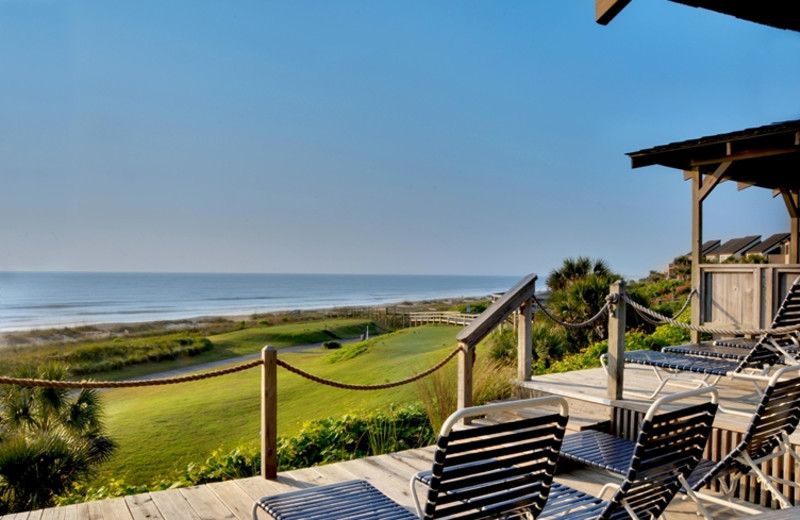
(248, 341)
(161, 429)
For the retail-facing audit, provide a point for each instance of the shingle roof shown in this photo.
(768, 244)
(737, 245)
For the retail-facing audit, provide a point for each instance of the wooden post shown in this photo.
(466, 358)
(697, 253)
(525, 341)
(269, 413)
(616, 341)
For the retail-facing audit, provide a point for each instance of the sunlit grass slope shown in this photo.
(161, 429)
(248, 341)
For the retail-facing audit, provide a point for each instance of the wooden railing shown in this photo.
(518, 298)
(445, 318)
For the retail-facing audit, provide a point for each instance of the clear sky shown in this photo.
(464, 137)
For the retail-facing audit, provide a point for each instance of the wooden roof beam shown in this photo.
(745, 155)
(711, 181)
(606, 10)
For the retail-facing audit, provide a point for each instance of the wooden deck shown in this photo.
(233, 499)
(391, 473)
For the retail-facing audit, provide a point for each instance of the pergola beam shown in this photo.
(711, 181)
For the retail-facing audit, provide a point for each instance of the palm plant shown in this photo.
(49, 439)
(573, 269)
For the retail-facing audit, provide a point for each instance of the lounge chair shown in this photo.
(788, 314)
(776, 417)
(486, 471)
(669, 446)
(671, 368)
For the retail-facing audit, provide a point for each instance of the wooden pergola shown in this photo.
(764, 157)
(775, 13)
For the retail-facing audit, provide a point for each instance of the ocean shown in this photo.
(35, 300)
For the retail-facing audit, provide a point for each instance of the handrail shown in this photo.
(496, 314)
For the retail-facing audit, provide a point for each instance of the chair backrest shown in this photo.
(492, 470)
(789, 312)
(777, 414)
(762, 354)
(670, 443)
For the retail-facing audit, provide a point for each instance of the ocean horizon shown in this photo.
(42, 299)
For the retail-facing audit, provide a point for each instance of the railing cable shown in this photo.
(348, 386)
(580, 325)
(642, 310)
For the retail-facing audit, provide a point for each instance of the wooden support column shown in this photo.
(616, 341)
(525, 341)
(697, 248)
(269, 413)
(790, 198)
(701, 188)
(466, 358)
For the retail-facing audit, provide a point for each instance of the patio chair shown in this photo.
(766, 437)
(669, 445)
(788, 314)
(481, 471)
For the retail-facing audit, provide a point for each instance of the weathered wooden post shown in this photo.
(466, 359)
(525, 341)
(269, 413)
(616, 341)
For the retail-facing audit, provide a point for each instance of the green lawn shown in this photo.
(161, 429)
(249, 341)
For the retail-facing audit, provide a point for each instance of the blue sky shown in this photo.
(464, 137)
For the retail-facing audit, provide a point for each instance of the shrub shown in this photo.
(331, 345)
(438, 392)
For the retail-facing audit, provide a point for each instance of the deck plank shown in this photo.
(173, 505)
(234, 497)
(76, 512)
(206, 504)
(16, 516)
(116, 508)
(53, 513)
(142, 507)
(258, 487)
(94, 511)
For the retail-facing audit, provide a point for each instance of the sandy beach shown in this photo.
(213, 324)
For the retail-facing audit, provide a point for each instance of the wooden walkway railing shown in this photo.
(446, 318)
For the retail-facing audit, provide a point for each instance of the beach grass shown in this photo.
(129, 357)
(161, 429)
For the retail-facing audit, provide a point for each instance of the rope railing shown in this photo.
(50, 383)
(642, 310)
(580, 325)
(75, 385)
(382, 386)
(651, 321)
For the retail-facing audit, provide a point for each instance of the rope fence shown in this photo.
(580, 325)
(383, 386)
(76, 385)
(642, 311)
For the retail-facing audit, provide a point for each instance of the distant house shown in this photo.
(734, 247)
(775, 248)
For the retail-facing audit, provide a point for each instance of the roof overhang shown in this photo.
(767, 156)
(775, 13)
